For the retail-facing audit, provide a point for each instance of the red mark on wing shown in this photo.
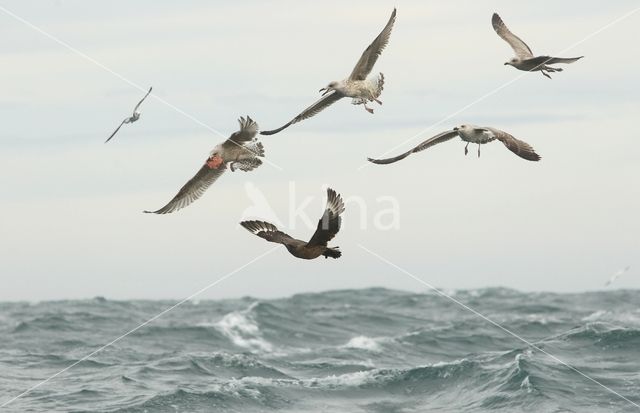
(214, 162)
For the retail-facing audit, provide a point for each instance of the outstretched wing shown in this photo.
(329, 224)
(520, 148)
(371, 53)
(554, 60)
(517, 44)
(116, 131)
(142, 100)
(248, 131)
(442, 137)
(269, 232)
(193, 189)
(312, 110)
(548, 60)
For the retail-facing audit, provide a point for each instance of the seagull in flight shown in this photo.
(525, 60)
(241, 151)
(328, 227)
(134, 117)
(471, 134)
(356, 86)
(616, 275)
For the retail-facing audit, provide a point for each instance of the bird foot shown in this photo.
(546, 74)
(214, 162)
(379, 102)
(369, 110)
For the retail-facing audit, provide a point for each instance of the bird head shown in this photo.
(331, 86)
(217, 151)
(511, 62)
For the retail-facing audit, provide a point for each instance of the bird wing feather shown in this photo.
(439, 138)
(520, 148)
(142, 100)
(373, 51)
(193, 189)
(329, 224)
(269, 232)
(517, 44)
(312, 110)
(116, 131)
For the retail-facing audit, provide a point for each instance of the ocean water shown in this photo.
(370, 350)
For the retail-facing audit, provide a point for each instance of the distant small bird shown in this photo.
(524, 59)
(471, 134)
(328, 227)
(356, 86)
(617, 274)
(134, 117)
(241, 151)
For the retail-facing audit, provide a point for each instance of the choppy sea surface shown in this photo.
(370, 350)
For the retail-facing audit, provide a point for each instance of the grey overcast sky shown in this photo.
(72, 224)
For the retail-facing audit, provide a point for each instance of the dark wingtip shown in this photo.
(270, 132)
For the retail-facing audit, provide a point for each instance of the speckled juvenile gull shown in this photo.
(241, 151)
(134, 117)
(328, 227)
(525, 60)
(471, 134)
(356, 86)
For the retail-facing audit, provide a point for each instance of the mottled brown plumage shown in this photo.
(328, 227)
(471, 134)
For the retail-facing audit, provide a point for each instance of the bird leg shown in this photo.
(368, 108)
(379, 102)
(466, 151)
(478, 150)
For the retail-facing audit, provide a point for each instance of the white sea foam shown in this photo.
(354, 379)
(364, 343)
(595, 316)
(243, 330)
(526, 384)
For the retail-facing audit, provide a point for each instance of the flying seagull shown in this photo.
(356, 86)
(134, 117)
(241, 151)
(617, 274)
(525, 60)
(471, 134)
(328, 227)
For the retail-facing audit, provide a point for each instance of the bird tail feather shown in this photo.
(332, 252)
(247, 124)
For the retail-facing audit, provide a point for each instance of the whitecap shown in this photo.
(243, 331)
(595, 316)
(364, 343)
(526, 384)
